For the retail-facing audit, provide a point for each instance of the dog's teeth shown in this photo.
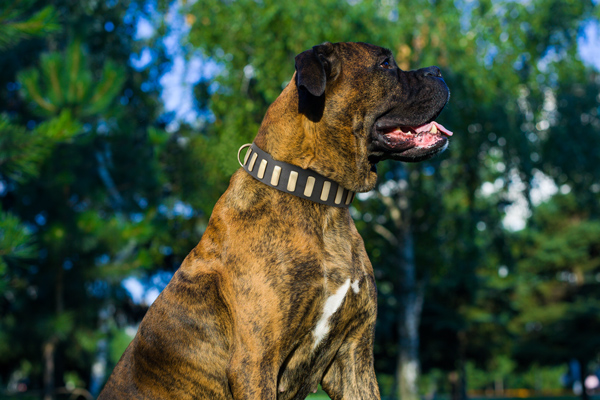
(433, 129)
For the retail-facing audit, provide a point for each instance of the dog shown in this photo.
(279, 296)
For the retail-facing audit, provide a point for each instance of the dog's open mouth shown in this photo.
(423, 136)
(411, 143)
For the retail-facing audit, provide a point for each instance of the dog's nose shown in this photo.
(431, 71)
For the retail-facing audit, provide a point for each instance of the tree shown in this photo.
(558, 294)
(81, 188)
(20, 153)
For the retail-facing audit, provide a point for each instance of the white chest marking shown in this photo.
(355, 287)
(332, 303)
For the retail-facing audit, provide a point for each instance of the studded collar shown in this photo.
(292, 179)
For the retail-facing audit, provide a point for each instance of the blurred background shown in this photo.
(119, 127)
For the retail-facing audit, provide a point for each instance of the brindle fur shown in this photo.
(237, 319)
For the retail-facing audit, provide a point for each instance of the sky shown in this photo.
(589, 44)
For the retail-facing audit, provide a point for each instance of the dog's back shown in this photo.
(182, 345)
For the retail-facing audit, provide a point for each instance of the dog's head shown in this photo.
(390, 112)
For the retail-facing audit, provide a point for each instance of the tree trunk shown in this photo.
(499, 386)
(50, 347)
(582, 376)
(408, 364)
(410, 300)
(461, 390)
(408, 292)
(49, 369)
(453, 379)
(98, 375)
(99, 368)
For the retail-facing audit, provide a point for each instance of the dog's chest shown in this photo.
(347, 307)
(339, 307)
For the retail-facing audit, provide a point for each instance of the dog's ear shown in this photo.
(316, 66)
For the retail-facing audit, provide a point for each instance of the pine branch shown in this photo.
(51, 69)
(23, 151)
(20, 151)
(59, 129)
(74, 58)
(15, 240)
(64, 81)
(12, 30)
(29, 79)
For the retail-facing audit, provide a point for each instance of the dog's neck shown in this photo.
(278, 133)
(292, 137)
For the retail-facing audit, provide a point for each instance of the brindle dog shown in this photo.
(279, 294)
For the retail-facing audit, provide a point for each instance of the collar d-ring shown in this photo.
(240, 151)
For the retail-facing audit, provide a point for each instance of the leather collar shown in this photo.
(292, 179)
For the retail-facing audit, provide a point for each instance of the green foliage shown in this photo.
(119, 342)
(80, 189)
(65, 82)
(558, 294)
(536, 378)
(16, 242)
(23, 151)
(13, 238)
(17, 23)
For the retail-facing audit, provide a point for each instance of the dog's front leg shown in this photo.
(351, 375)
(255, 342)
(251, 377)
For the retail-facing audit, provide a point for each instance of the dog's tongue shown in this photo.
(432, 127)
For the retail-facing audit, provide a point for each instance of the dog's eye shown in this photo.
(386, 64)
